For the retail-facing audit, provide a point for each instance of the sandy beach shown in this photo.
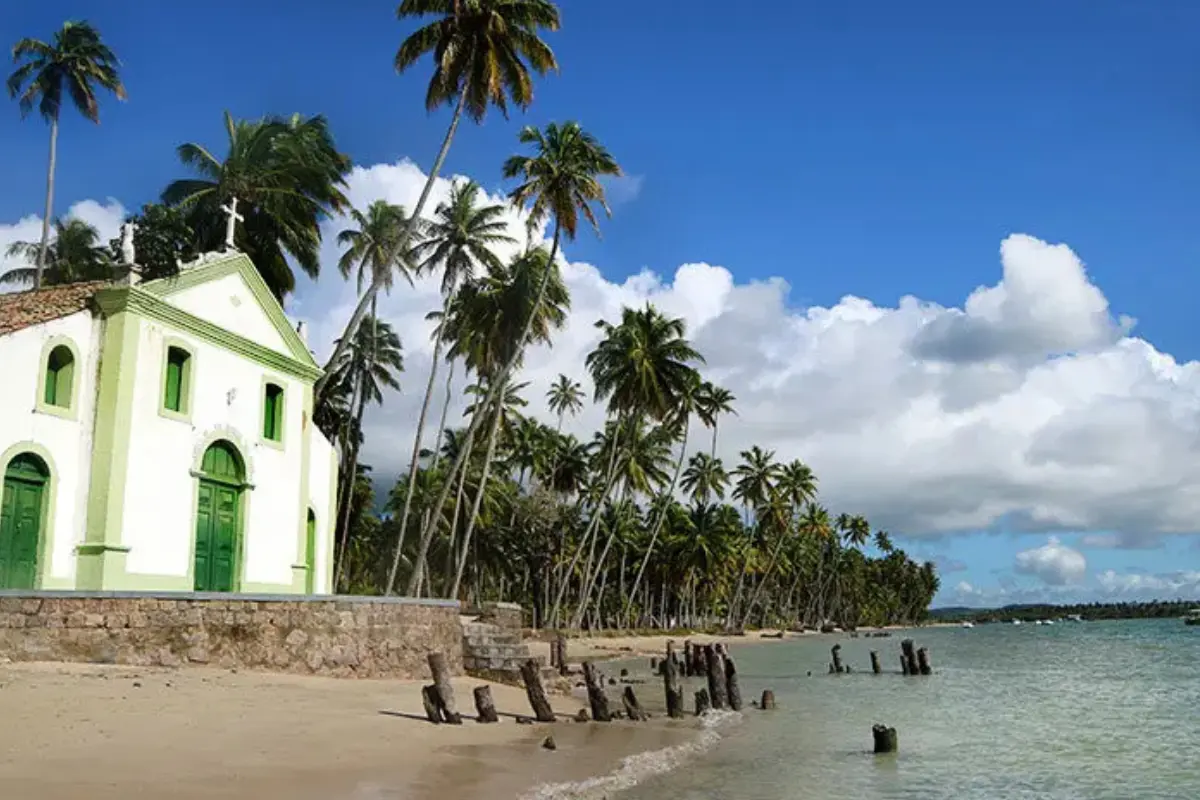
(105, 732)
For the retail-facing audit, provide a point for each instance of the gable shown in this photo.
(227, 291)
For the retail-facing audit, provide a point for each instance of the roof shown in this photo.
(20, 310)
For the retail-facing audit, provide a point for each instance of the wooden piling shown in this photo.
(702, 702)
(731, 683)
(836, 652)
(597, 699)
(768, 700)
(923, 662)
(485, 708)
(688, 659)
(715, 664)
(671, 685)
(445, 692)
(559, 652)
(531, 676)
(910, 657)
(886, 740)
(633, 709)
(433, 709)
(875, 662)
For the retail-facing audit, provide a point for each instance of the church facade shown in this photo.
(159, 437)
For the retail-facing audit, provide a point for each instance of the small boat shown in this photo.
(1016, 622)
(1075, 618)
(968, 624)
(1193, 617)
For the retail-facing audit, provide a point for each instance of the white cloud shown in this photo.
(1054, 562)
(105, 217)
(1145, 586)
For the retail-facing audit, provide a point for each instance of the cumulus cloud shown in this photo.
(105, 217)
(1054, 563)
(1184, 583)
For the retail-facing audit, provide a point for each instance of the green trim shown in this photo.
(110, 452)
(301, 579)
(187, 387)
(330, 522)
(241, 264)
(70, 410)
(280, 412)
(91, 548)
(45, 550)
(197, 471)
(116, 299)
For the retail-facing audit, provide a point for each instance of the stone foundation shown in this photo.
(368, 637)
(506, 615)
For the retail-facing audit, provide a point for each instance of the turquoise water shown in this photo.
(1090, 711)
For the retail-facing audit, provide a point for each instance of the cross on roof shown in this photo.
(232, 218)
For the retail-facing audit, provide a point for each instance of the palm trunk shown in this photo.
(590, 583)
(410, 225)
(494, 391)
(414, 465)
(346, 488)
(766, 574)
(41, 257)
(493, 438)
(662, 514)
(713, 452)
(352, 472)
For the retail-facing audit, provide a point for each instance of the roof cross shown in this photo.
(232, 218)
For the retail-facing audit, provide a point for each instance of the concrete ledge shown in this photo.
(72, 594)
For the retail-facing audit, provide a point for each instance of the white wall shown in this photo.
(228, 302)
(69, 441)
(226, 402)
(321, 466)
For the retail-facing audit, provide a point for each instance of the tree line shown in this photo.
(1150, 609)
(630, 526)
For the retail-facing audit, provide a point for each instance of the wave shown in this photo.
(637, 768)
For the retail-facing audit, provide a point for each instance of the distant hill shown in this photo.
(1153, 609)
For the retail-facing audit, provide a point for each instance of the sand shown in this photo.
(107, 732)
(605, 647)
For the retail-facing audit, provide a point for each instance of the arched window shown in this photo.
(60, 377)
(177, 381)
(273, 412)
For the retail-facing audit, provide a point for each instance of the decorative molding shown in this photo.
(45, 549)
(71, 409)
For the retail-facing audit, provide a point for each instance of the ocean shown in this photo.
(1073, 711)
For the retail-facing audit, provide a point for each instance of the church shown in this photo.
(158, 437)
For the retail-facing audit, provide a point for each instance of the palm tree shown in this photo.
(562, 179)
(287, 176)
(884, 542)
(76, 61)
(712, 402)
(372, 364)
(460, 238)
(756, 482)
(795, 485)
(705, 477)
(565, 397)
(483, 51)
(857, 531)
(74, 255)
(369, 247)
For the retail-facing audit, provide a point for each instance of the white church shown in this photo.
(159, 437)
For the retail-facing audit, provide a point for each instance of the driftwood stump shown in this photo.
(717, 691)
(597, 699)
(688, 659)
(445, 692)
(702, 702)
(633, 709)
(886, 740)
(910, 658)
(558, 654)
(768, 700)
(485, 708)
(836, 652)
(875, 662)
(923, 662)
(433, 709)
(531, 676)
(671, 684)
(731, 683)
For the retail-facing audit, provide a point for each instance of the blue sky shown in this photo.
(878, 149)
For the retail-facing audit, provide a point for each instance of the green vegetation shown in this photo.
(1152, 609)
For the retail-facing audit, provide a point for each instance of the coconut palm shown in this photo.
(565, 397)
(287, 176)
(704, 478)
(76, 62)
(483, 52)
(370, 248)
(712, 402)
(74, 255)
(459, 240)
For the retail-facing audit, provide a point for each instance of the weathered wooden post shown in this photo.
(923, 662)
(445, 692)
(836, 652)
(560, 644)
(485, 708)
(768, 700)
(886, 740)
(702, 702)
(597, 699)
(633, 709)
(429, 699)
(910, 658)
(716, 677)
(688, 659)
(531, 676)
(671, 684)
(731, 683)
(875, 662)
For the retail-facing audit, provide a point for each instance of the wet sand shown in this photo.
(109, 733)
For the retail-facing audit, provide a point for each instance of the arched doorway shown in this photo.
(310, 553)
(25, 489)
(219, 519)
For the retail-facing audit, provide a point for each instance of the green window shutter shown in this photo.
(173, 392)
(51, 392)
(60, 372)
(273, 413)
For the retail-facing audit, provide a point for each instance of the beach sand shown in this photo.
(109, 732)
(606, 647)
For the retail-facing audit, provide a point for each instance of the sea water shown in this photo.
(1072, 711)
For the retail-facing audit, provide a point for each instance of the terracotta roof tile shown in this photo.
(22, 309)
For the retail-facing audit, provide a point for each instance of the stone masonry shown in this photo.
(367, 637)
(490, 649)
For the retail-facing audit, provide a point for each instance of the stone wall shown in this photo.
(506, 615)
(334, 636)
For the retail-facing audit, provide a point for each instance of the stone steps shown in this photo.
(488, 647)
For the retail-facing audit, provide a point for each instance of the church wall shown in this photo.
(64, 440)
(322, 471)
(226, 402)
(228, 302)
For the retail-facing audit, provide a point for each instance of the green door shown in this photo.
(21, 522)
(218, 530)
(310, 553)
